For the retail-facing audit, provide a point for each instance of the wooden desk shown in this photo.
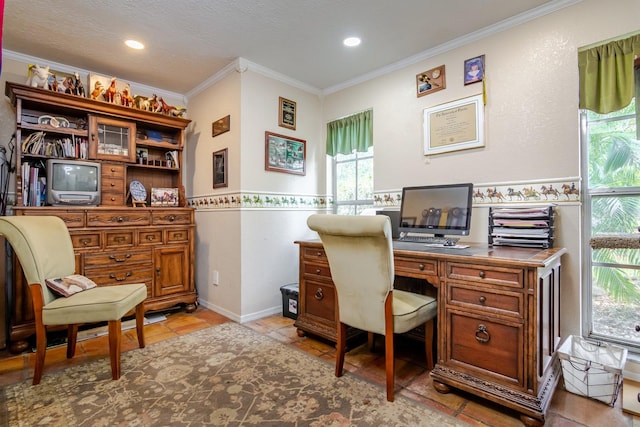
(498, 317)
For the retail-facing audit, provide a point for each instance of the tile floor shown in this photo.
(412, 380)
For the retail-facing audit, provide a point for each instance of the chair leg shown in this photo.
(41, 350)
(341, 345)
(115, 332)
(371, 341)
(428, 341)
(389, 354)
(140, 324)
(72, 339)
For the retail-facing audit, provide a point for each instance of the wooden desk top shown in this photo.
(510, 255)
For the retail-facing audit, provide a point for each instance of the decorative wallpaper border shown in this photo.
(259, 200)
(558, 191)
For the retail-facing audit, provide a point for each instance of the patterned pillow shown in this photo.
(69, 285)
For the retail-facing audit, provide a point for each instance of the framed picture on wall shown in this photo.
(287, 113)
(221, 126)
(474, 70)
(284, 153)
(453, 126)
(431, 81)
(220, 168)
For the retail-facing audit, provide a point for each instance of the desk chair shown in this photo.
(43, 246)
(360, 254)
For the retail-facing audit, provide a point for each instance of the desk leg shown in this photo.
(441, 387)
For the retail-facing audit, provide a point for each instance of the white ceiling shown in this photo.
(188, 41)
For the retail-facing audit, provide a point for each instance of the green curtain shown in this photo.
(607, 81)
(350, 133)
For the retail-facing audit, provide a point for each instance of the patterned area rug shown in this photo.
(224, 375)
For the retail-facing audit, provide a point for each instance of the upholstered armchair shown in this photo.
(43, 246)
(360, 254)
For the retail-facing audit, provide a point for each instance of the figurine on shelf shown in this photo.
(97, 90)
(125, 97)
(77, 83)
(38, 76)
(111, 92)
(178, 111)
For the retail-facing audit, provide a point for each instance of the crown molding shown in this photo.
(506, 24)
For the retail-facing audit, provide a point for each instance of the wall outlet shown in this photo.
(215, 278)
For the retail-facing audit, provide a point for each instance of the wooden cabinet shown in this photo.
(498, 317)
(119, 246)
(114, 243)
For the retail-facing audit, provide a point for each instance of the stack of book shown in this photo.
(525, 227)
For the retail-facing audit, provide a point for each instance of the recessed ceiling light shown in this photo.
(351, 41)
(134, 44)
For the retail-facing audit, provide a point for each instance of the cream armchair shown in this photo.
(360, 254)
(43, 246)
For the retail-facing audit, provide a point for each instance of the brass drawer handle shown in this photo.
(482, 335)
(319, 294)
(177, 235)
(119, 239)
(120, 279)
(318, 271)
(421, 267)
(319, 253)
(172, 218)
(85, 242)
(481, 274)
(113, 257)
(482, 300)
(151, 237)
(113, 184)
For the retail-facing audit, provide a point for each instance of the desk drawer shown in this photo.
(172, 217)
(317, 270)
(491, 348)
(118, 238)
(504, 276)
(486, 299)
(114, 218)
(320, 300)
(117, 258)
(314, 254)
(415, 266)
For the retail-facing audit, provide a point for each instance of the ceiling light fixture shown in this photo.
(351, 41)
(134, 44)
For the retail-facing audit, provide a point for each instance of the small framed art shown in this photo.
(284, 153)
(164, 197)
(287, 113)
(221, 126)
(220, 168)
(474, 70)
(431, 81)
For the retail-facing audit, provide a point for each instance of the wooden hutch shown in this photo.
(114, 242)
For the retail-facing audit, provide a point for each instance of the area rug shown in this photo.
(224, 375)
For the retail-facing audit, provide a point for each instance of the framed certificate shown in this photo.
(457, 125)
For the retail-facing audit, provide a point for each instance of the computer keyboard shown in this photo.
(430, 240)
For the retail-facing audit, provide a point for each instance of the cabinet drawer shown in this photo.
(118, 238)
(71, 219)
(86, 240)
(117, 258)
(493, 349)
(117, 218)
(168, 217)
(112, 198)
(503, 302)
(149, 237)
(119, 276)
(316, 254)
(177, 235)
(504, 276)
(320, 300)
(113, 171)
(317, 270)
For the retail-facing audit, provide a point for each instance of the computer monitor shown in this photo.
(440, 210)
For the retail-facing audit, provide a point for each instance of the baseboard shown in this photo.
(242, 318)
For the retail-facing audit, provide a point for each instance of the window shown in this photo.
(611, 205)
(350, 143)
(353, 182)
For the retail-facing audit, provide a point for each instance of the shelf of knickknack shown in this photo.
(52, 129)
(147, 166)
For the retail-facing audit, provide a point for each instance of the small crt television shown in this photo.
(73, 182)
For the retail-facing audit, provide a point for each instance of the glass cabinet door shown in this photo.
(112, 139)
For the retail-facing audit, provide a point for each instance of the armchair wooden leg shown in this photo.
(41, 350)
(140, 324)
(115, 333)
(428, 341)
(371, 341)
(389, 354)
(341, 345)
(72, 339)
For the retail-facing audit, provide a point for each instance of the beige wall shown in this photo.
(531, 134)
